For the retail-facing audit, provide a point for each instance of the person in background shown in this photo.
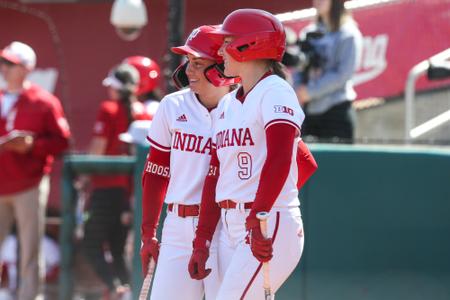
(148, 91)
(137, 133)
(33, 131)
(109, 215)
(328, 93)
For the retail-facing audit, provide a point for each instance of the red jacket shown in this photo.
(40, 112)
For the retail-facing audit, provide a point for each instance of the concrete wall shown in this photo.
(386, 123)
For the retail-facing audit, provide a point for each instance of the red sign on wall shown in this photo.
(397, 36)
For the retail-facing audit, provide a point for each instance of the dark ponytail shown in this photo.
(127, 98)
(129, 77)
(278, 69)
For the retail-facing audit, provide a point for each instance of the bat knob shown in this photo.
(263, 215)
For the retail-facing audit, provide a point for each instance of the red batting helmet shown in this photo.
(201, 45)
(149, 72)
(258, 35)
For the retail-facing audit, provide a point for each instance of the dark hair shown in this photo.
(155, 94)
(278, 69)
(126, 98)
(337, 14)
(129, 77)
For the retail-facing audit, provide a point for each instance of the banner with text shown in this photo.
(397, 36)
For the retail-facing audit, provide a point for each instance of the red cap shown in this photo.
(19, 53)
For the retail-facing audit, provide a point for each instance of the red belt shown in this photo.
(229, 204)
(185, 210)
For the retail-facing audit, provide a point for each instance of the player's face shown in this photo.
(323, 7)
(229, 62)
(195, 73)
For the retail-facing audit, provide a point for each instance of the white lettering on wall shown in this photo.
(373, 61)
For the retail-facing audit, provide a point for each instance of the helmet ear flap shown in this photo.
(215, 75)
(179, 76)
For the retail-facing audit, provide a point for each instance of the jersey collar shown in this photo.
(200, 102)
(240, 92)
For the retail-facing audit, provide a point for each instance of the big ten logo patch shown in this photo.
(193, 35)
(283, 109)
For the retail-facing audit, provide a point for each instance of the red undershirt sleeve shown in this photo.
(280, 138)
(155, 179)
(209, 210)
(306, 164)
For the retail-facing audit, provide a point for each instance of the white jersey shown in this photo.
(183, 127)
(240, 138)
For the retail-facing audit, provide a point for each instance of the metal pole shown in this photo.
(175, 28)
(415, 72)
(136, 274)
(418, 70)
(66, 232)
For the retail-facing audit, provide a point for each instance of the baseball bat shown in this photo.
(263, 216)
(143, 295)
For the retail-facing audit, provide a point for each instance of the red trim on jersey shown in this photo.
(240, 92)
(277, 224)
(281, 121)
(306, 163)
(209, 210)
(154, 188)
(159, 146)
(280, 138)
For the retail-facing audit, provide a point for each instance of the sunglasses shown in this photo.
(6, 62)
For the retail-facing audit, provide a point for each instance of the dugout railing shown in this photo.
(75, 165)
(436, 67)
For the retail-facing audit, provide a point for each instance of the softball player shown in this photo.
(109, 203)
(149, 77)
(181, 146)
(253, 165)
